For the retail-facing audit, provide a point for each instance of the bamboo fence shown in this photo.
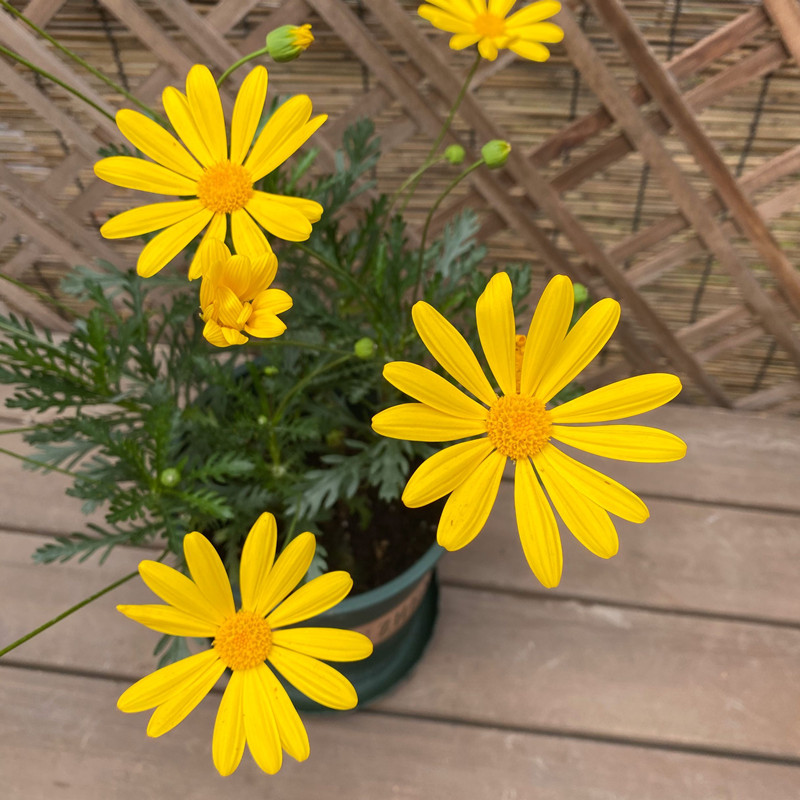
(655, 156)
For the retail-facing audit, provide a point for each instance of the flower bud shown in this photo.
(261, 420)
(288, 42)
(495, 153)
(580, 292)
(169, 477)
(364, 348)
(269, 371)
(454, 153)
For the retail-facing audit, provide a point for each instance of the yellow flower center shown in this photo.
(243, 641)
(302, 36)
(518, 426)
(488, 24)
(224, 187)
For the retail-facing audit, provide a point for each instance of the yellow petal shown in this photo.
(538, 530)
(487, 48)
(206, 108)
(159, 686)
(279, 219)
(314, 678)
(621, 399)
(539, 32)
(227, 746)
(208, 573)
(496, 328)
(420, 423)
(184, 699)
(248, 238)
(451, 350)
(533, 13)
(444, 471)
(547, 330)
(149, 137)
(329, 644)
(533, 51)
(462, 40)
(263, 322)
(217, 229)
(467, 509)
(166, 619)
(623, 442)
(136, 173)
(227, 308)
(310, 209)
(258, 555)
(444, 21)
(247, 112)
(161, 249)
(580, 346)
(149, 218)
(426, 386)
(212, 331)
(294, 738)
(289, 570)
(176, 589)
(176, 107)
(271, 301)
(313, 598)
(599, 488)
(587, 522)
(500, 7)
(261, 729)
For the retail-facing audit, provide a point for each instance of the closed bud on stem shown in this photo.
(495, 153)
(364, 348)
(581, 293)
(169, 477)
(288, 42)
(454, 153)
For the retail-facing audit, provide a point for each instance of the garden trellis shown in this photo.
(655, 156)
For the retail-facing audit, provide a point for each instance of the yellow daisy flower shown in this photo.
(530, 370)
(473, 21)
(235, 296)
(255, 708)
(215, 180)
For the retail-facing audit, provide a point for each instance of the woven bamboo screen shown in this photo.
(655, 155)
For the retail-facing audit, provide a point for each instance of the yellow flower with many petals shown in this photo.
(473, 21)
(255, 708)
(235, 296)
(217, 180)
(530, 371)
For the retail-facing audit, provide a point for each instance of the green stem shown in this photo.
(243, 60)
(303, 382)
(26, 429)
(415, 176)
(49, 467)
(35, 292)
(72, 610)
(39, 71)
(449, 188)
(85, 64)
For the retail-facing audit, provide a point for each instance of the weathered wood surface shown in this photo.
(669, 671)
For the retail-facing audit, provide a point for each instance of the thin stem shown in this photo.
(49, 467)
(415, 176)
(449, 188)
(73, 609)
(26, 429)
(303, 382)
(35, 292)
(85, 64)
(243, 60)
(39, 71)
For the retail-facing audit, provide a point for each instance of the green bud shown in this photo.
(270, 371)
(278, 470)
(454, 153)
(364, 348)
(495, 153)
(169, 477)
(580, 292)
(288, 42)
(334, 438)
(261, 420)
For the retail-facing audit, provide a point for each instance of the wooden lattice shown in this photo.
(655, 156)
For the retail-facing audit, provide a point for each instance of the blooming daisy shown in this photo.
(472, 21)
(235, 296)
(215, 181)
(255, 708)
(518, 425)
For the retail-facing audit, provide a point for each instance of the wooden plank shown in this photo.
(551, 665)
(541, 193)
(674, 106)
(785, 15)
(653, 151)
(69, 740)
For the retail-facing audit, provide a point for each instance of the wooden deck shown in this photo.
(671, 672)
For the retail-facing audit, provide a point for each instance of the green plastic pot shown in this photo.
(398, 617)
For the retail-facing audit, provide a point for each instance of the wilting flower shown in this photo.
(235, 296)
(288, 42)
(518, 425)
(218, 181)
(255, 707)
(473, 21)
